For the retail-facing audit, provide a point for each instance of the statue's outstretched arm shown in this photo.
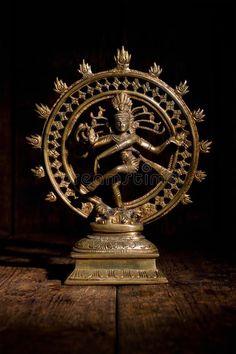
(103, 140)
(177, 140)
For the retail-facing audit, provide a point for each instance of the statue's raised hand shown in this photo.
(92, 135)
(178, 139)
(86, 134)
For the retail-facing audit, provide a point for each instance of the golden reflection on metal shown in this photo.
(128, 134)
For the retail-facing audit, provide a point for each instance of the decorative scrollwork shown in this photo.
(35, 141)
(200, 175)
(122, 59)
(43, 110)
(155, 70)
(38, 171)
(186, 199)
(198, 115)
(138, 117)
(51, 197)
(60, 86)
(85, 69)
(128, 275)
(182, 88)
(205, 146)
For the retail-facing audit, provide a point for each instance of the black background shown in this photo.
(193, 41)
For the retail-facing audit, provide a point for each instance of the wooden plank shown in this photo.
(38, 315)
(194, 313)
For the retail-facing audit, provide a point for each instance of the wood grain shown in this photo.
(39, 315)
(194, 313)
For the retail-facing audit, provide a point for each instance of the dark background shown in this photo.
(193, 41)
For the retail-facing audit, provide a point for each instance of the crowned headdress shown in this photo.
(122, 102)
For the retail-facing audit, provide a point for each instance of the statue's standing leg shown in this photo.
(117, 194)
(115, 252)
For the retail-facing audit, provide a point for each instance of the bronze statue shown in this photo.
(124, 139)
(150, 115)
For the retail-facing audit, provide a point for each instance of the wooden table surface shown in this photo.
(195, 313)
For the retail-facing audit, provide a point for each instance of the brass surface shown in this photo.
(115, 228)
(136, 118)
(115, 259)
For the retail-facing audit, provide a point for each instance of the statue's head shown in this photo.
(122, 121)
(122, 103)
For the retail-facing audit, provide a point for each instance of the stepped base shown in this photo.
(115, 258)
